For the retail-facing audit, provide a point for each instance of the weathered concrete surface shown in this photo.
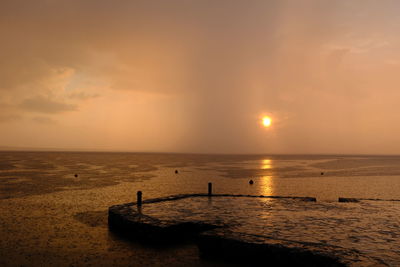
(129, 219)
(346, 199)
(225, 238)
(132, 223)
(263, 251)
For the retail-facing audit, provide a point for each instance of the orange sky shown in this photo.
(197, 76)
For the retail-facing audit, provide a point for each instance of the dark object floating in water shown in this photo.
(176, 171)
(322, 173)
(251, 182)
(346, 199)
(76, 175)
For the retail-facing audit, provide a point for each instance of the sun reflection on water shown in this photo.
(266, 164)
(266, 186)
(266, 182)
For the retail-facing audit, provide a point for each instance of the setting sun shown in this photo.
(266, 121)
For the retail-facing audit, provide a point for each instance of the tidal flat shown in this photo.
(50, 217)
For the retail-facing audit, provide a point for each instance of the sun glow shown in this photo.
(266, 121)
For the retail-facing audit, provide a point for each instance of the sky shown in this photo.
(198, 75)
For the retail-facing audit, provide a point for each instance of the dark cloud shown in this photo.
(46, 105)
(10, 117)
(43, 120)
(82, 96)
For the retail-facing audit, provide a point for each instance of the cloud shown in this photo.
(82, 96)
(46, 105)
(43, 120)
(215, 65)
(9, 117)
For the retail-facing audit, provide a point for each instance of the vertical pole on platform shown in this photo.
(139, 198)
(209, 189)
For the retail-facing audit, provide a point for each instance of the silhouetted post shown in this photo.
(209, 189)
(139, 198)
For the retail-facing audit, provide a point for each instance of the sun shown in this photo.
(266, 121)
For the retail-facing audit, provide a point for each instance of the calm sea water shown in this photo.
(48, 216)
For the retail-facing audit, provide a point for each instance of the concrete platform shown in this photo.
(233, 227)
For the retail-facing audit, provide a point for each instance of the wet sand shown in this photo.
(69, 228)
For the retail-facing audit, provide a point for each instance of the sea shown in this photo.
(53, 205)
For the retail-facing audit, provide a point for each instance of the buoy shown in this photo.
(176, 171)
(76, 175)
(251, 182)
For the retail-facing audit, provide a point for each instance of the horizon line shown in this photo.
(31, 149)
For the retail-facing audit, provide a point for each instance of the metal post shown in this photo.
(139, 198)
(209, 189)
